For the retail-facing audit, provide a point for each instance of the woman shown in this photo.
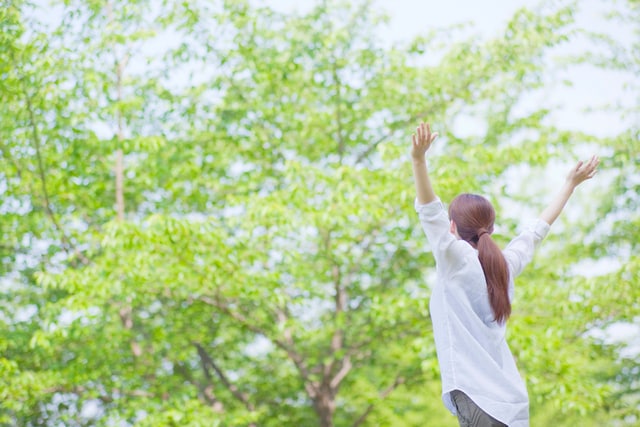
(471, 299)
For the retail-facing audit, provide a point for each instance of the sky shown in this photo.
(591, 87)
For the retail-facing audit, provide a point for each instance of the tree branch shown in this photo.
(126, 317)
(67, 246)
(206, 390)
(119, 163)
(342, 373)
(337, 339)
(340, 300)
(310, 386)
(341, 145)
(206, 359)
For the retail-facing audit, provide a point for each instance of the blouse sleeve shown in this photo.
(519, 252)
(435, 223)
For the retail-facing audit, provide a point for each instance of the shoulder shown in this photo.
(458, 253)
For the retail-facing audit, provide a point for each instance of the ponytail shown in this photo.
(474, 217)
(496, 274)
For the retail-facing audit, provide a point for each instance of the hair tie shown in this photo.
(482, 232)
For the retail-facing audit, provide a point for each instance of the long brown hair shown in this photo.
(474, 217)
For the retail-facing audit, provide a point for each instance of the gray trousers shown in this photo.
(469, 414)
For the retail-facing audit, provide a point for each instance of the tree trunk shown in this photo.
(119, 173)
(119, 161)
(325, 405)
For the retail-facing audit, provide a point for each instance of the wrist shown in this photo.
(570, 185)
(418, 158)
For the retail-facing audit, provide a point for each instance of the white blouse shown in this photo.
(472, 351)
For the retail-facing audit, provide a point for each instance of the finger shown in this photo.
(579, 165)
(434, 136)
(593, 163)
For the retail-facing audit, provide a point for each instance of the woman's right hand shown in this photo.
(421, 140)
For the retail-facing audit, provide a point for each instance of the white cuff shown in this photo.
(430, 208)
(540, 228)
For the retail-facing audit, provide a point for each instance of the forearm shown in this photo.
(424, 190)
(552, 211)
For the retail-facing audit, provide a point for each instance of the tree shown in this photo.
(228, 220)
(613, 296)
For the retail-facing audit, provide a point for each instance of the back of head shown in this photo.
(474, 217)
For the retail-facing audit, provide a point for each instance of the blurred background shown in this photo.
(207, 206)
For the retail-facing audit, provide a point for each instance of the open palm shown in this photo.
(422, 140)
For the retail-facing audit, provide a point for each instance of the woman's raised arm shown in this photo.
(421, 141)
(578, 174)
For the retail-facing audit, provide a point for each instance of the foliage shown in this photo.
(268, 269)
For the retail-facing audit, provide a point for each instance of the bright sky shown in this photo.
(591, 87)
